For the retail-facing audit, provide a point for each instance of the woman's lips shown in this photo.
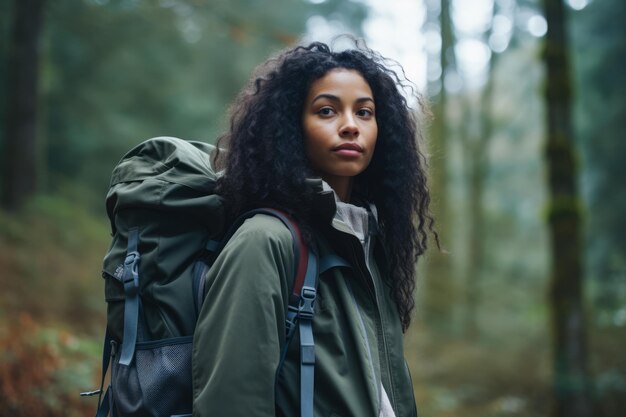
(349, 150)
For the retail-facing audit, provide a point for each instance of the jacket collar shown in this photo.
(324, 206)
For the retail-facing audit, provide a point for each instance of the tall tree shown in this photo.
(476, 146)
(476, 152)
(571, 384)
(439, 286)
(20, 148)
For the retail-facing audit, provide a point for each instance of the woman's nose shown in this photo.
(349, 128)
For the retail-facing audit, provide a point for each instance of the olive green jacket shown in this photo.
(241, 329)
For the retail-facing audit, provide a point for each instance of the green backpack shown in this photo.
(168, 225)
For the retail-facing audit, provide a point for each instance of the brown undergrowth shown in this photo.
(51, 308)
(42, 371)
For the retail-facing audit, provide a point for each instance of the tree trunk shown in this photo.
(20, 156)
(439, 285)
(476, 153)
(477, 150)
(571, 383)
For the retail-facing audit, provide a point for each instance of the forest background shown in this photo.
(525, 158)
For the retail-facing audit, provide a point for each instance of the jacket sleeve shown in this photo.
(241, 328)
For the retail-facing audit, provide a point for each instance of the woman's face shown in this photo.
(339, 126)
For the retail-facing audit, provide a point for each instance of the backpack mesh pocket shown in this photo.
(157, 383)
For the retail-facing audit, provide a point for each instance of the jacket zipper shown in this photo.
(372, 284)
(373, 292)
(392, 394)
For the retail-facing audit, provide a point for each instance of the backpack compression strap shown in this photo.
(130, 279)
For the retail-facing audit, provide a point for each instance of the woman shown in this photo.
(329, 138)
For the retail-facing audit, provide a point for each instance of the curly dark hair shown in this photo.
(266, 163)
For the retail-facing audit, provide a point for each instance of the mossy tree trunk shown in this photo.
(571, 380)
(439, 284)
(19, 164)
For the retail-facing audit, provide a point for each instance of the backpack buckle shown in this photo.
(132, 258)
(131, 276)
(307, 302)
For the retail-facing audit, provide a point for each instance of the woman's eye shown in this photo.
(325, 111)
(365, 113)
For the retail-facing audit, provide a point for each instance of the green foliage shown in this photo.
(118, 72)
(54, 248)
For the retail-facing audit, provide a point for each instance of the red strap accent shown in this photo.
(303, 250)
(303, 255)
(303, 260)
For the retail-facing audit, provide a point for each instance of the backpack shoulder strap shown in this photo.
(300, 310)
